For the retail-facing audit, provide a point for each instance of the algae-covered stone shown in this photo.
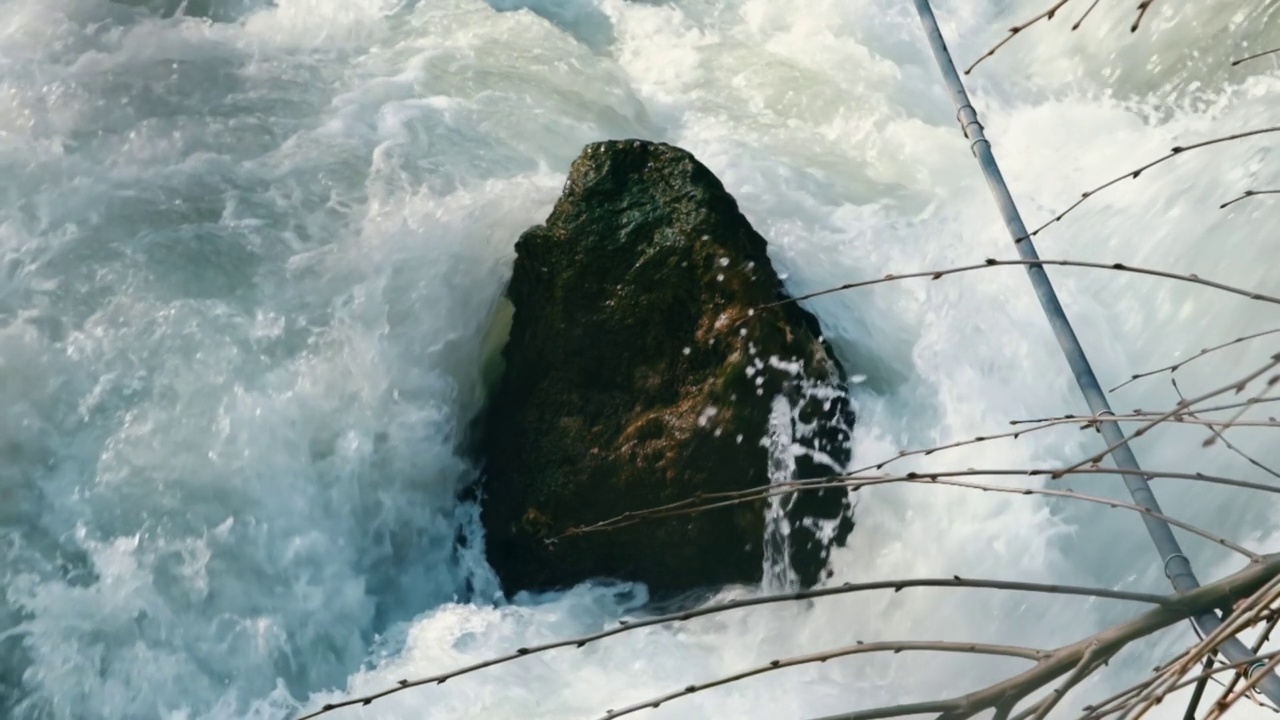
(645, 362)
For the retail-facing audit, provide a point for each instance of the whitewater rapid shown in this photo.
(248, 267)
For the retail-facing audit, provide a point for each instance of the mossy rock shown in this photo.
(646, 358)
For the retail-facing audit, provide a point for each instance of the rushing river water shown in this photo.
(248, 261)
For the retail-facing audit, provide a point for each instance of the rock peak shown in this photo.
(645, 365)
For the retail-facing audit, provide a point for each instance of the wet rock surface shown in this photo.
(647, 363)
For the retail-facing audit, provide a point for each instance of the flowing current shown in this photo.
(249, 258)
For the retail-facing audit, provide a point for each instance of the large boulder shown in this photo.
(646, 365)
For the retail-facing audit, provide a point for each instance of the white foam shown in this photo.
(246, 270)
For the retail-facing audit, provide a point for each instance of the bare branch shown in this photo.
(1183, 417)
(1084, 657)
(1133, 174)
(733, 497)
(1246, 195)
(1144, 414)
(1101, 501)
(1100, 710)
(992, 262)
(1257, 647)
(1142, 11)
(1254, 678)
(895, 585)
(1235, 419)
(1086, 422)
(1237, 386)
(1089, 662)
(1197, 693)
(1255, 56)
(1115, 703)
(1217, 433)
(1106, 643)
(1013, 434)
(685, 615)
(938, 478)
(1204, 351)
(1144, 694)
(859, 649)
(1245, 613)
(1013, 31)
(1084, 16)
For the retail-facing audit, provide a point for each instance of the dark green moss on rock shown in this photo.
(643, 367)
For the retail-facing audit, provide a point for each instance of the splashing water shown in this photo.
(778, 575)
(249, 257)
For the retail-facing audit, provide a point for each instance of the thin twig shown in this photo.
(1089, 422)
(1237, 386)
(859, 649)
(1204, 351)
(1235, 419)
(1142, 11)
(1077, 658)
(978, 439)
(1244, 615)
(691, 504)
(1217, 710)
(938, 478)
(1086, 422)
(1084, 16)
(992, 262)
(1255, 56)
(1013, 31)
(1257, 647)
(1100, 709)
(1198, 693)
(1088, 663)
(1133, 174)
(1097, 500)
(685, 615)
(1139, 413)
(1067, 658)
(1213, 428)
(1246, 195)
